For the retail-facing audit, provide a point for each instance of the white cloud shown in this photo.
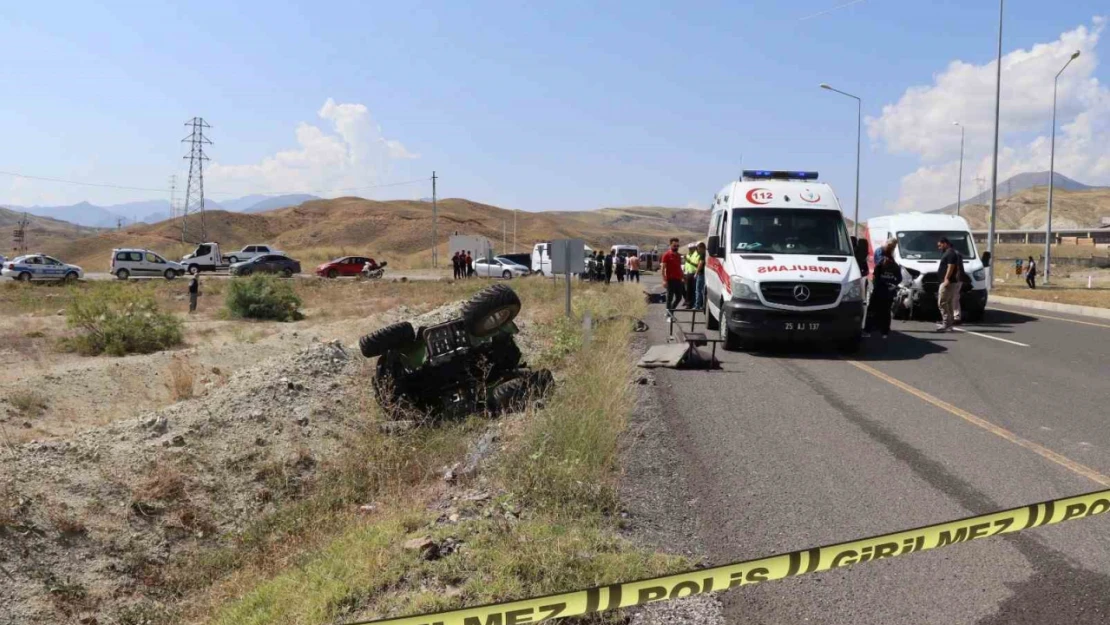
(351, 153)
(920, 123)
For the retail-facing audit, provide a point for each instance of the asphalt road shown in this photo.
(795, 449)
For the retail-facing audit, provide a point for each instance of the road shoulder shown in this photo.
(659, 508)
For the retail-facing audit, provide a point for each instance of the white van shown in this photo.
(625, 250)
(541, 257)
(781, 265)
(917, 253)
(137, 263)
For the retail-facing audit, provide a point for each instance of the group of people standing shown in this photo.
(684, 276)
(462, 263)
(600, 267)
(889, 276)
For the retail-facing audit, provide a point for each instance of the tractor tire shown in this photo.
(390, 337)
(511, 396)
(386, 384)
(490, 309)
(541, 381)
(504, 355)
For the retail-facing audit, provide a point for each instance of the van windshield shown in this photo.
(789, 231)
(922, 244)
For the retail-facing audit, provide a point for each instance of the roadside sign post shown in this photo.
(568, 257)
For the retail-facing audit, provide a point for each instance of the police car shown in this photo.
(781, 265)
(40, 267)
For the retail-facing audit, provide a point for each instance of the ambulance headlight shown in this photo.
(979, 275)
(854, 292)
(743, 288)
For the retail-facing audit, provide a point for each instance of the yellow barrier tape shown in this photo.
(749, 572)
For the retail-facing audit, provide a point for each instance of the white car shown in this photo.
(499, 268)
(40, 267)
(250, 251)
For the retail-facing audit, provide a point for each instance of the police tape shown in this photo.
(746, 573)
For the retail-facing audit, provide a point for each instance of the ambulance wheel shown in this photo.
(194, 270)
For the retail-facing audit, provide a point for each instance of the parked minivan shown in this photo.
(138, 263)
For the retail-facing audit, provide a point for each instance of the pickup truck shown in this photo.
(207, 257)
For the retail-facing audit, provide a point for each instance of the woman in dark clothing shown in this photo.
(884, 286)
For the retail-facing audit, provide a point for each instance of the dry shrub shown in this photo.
(180, 379)
(65, 522)
(164, 485)
(27, 403)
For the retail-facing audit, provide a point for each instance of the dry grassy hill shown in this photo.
(42, 233)
(1029, 208)
(398, 231)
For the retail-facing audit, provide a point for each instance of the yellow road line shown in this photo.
(1040, 450)
(1036, 313)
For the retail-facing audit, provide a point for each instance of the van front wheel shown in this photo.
(123, 274)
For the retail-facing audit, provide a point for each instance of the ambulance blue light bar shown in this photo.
(763, 174)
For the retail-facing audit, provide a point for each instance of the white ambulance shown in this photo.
(781, 265)
(917, 253)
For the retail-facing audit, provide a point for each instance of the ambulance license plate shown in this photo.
(801, 326)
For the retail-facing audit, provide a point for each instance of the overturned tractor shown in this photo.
(467, 365)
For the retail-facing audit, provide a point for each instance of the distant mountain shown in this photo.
(1016, 184)
(276, 202)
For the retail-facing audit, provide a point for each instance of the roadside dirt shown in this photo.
(89, 517)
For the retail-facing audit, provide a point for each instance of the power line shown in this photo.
(129, 188)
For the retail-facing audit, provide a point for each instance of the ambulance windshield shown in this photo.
(789, 231)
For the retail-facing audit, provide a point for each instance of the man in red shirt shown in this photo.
(671, 264)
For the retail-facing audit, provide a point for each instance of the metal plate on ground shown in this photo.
(671, 355)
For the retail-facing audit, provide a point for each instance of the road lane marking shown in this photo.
(1040, 450)
(1040, 316)
(993, 338)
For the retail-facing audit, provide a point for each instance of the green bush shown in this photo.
(263, 297)
(119, 321)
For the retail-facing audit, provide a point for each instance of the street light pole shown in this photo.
(960, 180)
(1052, 172)
(859, 133)
(994, 158)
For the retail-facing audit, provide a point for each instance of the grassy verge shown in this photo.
(543, 520)
(1098, 297)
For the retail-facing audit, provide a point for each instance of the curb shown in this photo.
(1071, 309)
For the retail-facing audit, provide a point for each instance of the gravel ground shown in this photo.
(657, 498)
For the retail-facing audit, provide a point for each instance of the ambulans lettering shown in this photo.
(810, 268)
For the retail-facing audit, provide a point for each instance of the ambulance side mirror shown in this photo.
(860, 247)
(986, 259)
(713, 247)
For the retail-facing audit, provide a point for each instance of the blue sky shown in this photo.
(569, 106)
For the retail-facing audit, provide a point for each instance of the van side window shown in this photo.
(122, 256)
(248, 249)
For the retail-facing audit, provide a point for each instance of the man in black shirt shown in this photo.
(194, 292)
(950, 271)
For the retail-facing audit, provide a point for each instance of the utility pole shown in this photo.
(504, 245)
(981, 183)
(514, 231)
(960, 178)
(19, 236)
(994, 158)
(173, 196)
(194, 190)
(435, 215)
(119, 223)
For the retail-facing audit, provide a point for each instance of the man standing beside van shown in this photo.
(689, 273)
(950, 271)
(671, 265)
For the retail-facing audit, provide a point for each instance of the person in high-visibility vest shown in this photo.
(690, 271)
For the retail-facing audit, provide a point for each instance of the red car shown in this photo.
(346, 266)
